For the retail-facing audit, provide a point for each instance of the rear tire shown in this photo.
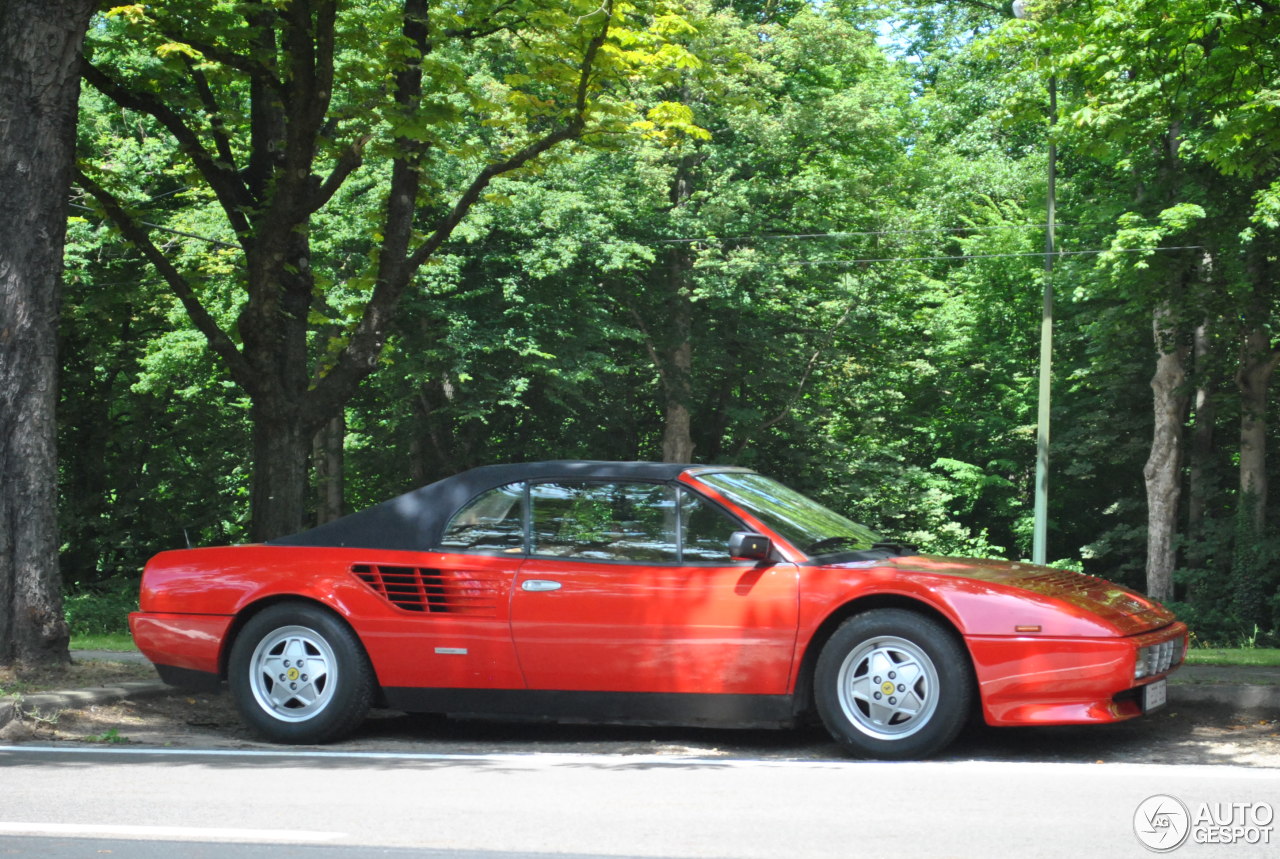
(893, 684)
(298, 674)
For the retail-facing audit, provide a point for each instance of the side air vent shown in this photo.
(468, 592)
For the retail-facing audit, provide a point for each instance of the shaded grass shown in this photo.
(105, 641)
(1261, 656)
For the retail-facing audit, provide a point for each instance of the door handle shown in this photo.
(539, 585)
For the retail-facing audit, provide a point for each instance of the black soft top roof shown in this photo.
(416, 521)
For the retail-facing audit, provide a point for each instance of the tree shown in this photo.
(840, 286)
(273, 109)
(39, 87)
(802, 127)
(1176, 99)
(657, 275)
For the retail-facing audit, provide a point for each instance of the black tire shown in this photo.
(298, 674)
(893, 684)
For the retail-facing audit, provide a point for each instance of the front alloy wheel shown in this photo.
(893, 684)
(888, 687)
(298, 674)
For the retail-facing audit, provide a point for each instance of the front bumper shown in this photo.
(1028, 680)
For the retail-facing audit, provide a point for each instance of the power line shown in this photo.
(836, 235)
(688, 240)
(858, 261)
(509, 242)
(838, 262)
(217, 242)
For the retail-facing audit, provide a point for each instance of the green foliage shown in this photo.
(1255, 574)
(153, 438)
(1160, 110)
(836, 208)
(101, 609)
(111, 736)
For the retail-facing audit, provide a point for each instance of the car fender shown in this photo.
(831, 594)
(193, 602)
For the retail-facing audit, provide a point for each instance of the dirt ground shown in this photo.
(77, 675)
(1175, 735)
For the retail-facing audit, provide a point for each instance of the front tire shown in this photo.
(893, 684)
(298, 674)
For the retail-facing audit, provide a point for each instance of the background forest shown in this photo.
(802, 237)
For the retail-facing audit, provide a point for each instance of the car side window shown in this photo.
(604, 521)
(491, 522)
(706, 530)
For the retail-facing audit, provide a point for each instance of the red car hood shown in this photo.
(1128, 611)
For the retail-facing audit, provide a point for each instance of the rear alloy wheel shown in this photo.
(299, 675)
(893, 684)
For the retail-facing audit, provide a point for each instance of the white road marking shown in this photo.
(548, 760)
(539, 758)
(177, 833)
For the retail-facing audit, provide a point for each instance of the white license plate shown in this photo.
(1154, 695)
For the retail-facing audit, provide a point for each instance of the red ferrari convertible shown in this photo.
(644, 592)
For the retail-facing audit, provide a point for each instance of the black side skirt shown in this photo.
(187, 678)
(643, 708)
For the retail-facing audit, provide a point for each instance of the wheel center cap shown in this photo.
(292, 674)
(886, 687)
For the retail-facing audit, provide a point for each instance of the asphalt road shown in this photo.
(316, 804)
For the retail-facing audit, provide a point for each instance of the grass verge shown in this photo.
(110, 641)
(1252, 656)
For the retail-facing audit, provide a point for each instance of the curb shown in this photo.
(49, 704)
(1238, 696)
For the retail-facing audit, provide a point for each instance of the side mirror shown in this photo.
(746, 546)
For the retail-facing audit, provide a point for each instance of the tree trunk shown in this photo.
(437, 449)
(326, 456)
(1163, 471)
(716, 424)
(1258, 361)
(677, 379)
(1201, 446)
(281, 444)
(677, 438)
(40, 44)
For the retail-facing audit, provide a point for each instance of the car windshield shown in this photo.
(805, 523)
